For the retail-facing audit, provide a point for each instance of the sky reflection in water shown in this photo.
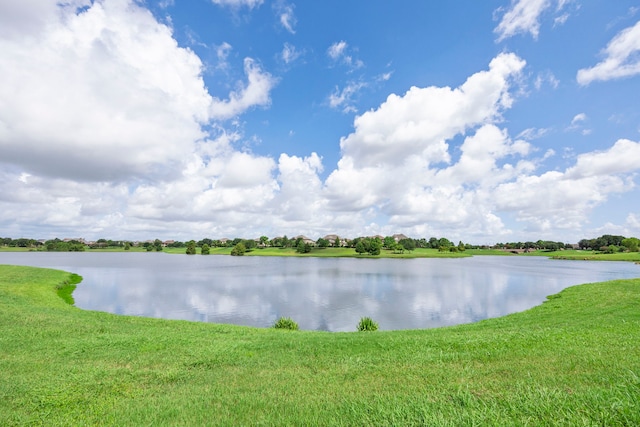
(319, 293)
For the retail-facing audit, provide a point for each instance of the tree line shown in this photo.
(362, 245)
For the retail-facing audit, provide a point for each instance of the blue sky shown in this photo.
(486, 121)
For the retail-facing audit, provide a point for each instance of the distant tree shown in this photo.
(239, 249)
(632, 244)
(444, 242)
(23, 243)
(264, 240)
(375, 246)
(204, 242)
(127, 246)
(408, 244)
(284, 241)
(337, 242)
(58, 245)
(389, 242)
(322, 243)
(422, 243)
(461, 246)
(360, 248)
(584, 244)
(611, 249)
(205, 249)
(157, 244)
(191, 247)
(302, 247)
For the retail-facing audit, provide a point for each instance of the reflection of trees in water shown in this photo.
(325, 294)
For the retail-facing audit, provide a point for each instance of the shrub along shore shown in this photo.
(570, 361)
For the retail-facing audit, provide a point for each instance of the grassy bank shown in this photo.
(417, 253)
(575, 254)
(571, 361)
(338, 253)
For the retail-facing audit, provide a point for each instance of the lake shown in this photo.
(329, 294)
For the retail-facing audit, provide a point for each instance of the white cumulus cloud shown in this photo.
(621, 58)
(523, 16)
(255, 93)
(420, 121)
(90, 86)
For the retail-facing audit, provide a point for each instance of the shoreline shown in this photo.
(569, 254)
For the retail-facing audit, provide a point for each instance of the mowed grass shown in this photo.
(592, 255)
(574, 360)
(336, 253)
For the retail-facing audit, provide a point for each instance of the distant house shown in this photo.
(78, 239)
(305, 239)
(332, 239)
(398, 237)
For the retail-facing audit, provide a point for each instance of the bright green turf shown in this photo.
(574, 360)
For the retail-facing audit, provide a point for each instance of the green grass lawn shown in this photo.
(574, 360)
(576, 254)
(334, 252)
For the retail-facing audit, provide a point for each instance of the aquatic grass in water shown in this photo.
(66, 288)
(286, 323)
(366, 324)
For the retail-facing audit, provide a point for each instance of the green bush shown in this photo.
(286, 323)
(367, 324)
(239, 249)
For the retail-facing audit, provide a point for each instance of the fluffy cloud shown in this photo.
(399, 164)
(422, 120)
(621, 58)
(621, 158)
(524, 17)
(90, 86)
(107, 129)
(254, 93)
(391, 163)
(102, 119)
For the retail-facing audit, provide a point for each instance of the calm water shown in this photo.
(329, 294)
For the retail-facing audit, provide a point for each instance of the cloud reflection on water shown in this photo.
(320, 293)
